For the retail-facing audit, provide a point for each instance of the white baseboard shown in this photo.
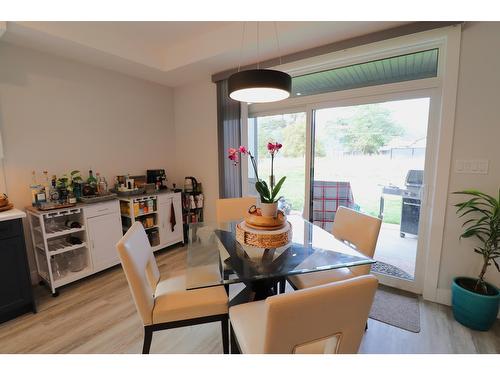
(443, 296)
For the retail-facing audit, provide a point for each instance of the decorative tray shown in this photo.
(53, 206)
(266, 239)
(7, 207)
(255, 220)
(97, 198)
(130, 193)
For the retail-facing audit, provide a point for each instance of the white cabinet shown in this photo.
(170, 233)
(104, 230)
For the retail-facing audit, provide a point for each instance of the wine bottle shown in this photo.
(92, 181)
(72, 224)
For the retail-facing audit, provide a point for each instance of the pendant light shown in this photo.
(259, 85)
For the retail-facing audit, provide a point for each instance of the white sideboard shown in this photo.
(101, 227)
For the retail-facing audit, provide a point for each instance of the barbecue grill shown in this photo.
(412, 199)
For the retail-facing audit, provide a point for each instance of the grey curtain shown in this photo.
(229, 135)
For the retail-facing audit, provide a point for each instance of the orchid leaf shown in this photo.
(277, 188)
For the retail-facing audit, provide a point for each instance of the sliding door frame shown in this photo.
(441, 89)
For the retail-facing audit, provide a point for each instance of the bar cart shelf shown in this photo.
(58, 260)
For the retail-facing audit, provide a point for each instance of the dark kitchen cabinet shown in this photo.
(16, 295)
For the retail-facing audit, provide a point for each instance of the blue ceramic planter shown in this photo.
(474, 310)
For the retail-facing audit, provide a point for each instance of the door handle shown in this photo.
(411, 204)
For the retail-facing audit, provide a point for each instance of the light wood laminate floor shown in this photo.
(97, 315)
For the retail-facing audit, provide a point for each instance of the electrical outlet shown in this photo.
(474, 166)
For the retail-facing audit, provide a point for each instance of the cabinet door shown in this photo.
(178, 232)
(104, 232)
(170, 234)
(14, 279)
(164, 222)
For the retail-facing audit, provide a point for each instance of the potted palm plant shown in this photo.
(475, 302)
(268, 193)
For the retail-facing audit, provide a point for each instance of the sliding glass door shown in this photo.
(371, 158)
(366, 154)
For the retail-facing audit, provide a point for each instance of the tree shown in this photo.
(294, 142)
(369, 129)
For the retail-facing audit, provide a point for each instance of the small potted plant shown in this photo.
(62, 187)
(268, 193)
(475, 302)
(76, 183)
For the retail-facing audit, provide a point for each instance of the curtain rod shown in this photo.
(411, 28)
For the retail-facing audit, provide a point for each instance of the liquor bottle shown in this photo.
(37, 192)
(98, 183)
(53, 192)
(33, 188)
(92, 181)
(103, 186)
(46, 186)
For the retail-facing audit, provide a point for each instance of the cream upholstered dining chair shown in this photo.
(229, 209)
(358, 230)
(165, 303)
(326, 319)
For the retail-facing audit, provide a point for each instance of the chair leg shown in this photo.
(282, 286)
(148, 336)
(225, 335)
(234, 344)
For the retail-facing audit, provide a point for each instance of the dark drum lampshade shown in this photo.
(259, 86)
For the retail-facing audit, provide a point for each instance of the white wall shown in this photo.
(59, 115)
(477, 136)
(195, 109)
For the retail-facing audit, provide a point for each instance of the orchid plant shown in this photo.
(268, 193)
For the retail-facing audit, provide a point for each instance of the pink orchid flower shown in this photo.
(243, 150)
(233, 155)
(273, 147)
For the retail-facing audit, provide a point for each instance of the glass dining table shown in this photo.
(215, 257)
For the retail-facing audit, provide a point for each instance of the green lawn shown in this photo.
(366, 186)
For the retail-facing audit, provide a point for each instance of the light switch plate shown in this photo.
(472, 166)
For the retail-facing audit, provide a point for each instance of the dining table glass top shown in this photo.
(214, 257)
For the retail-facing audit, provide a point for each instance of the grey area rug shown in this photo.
(388, 269)
(397, 308)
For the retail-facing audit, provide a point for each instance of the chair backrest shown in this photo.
(230, 209)
(325, 319)
(358, 229)
(140, 268)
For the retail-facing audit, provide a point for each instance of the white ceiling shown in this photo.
(177, 53)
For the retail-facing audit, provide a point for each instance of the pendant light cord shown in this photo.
(258, 49)
(277, 39)
(242, 42)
